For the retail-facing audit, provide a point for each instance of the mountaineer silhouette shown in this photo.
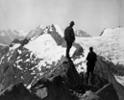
(69, 37)
(91, 61)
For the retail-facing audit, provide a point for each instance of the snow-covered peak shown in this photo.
(109, 32)
(45, 47)
(59, 30)
(47, 44)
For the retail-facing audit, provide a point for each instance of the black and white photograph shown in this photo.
(61, 49)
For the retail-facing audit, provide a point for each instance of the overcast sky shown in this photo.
(122, 13)
(91, 16)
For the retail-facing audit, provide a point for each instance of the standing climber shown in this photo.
(91, 61)
(69, 37)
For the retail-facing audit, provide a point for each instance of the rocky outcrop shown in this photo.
(18, 92)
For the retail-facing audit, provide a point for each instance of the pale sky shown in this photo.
(91, 16)
(122, 13)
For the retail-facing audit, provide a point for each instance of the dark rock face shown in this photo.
(108, 93)
(107, 70)
(57, 88)
(18, 92)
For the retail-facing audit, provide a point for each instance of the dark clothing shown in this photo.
(69, 38)
(69, 45)
(91, 60)
(69, 35)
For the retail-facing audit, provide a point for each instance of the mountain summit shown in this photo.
(40, 55)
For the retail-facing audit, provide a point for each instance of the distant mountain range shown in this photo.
(7, 36)
(81, 33)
